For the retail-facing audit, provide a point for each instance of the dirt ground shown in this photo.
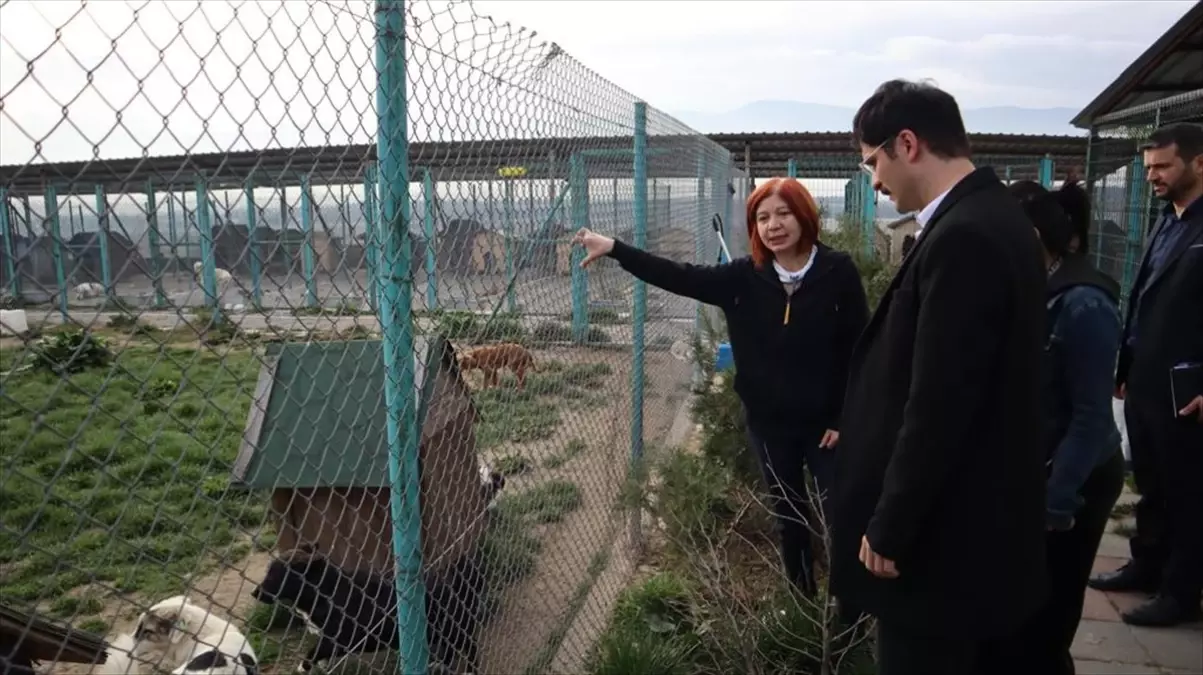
(537, 612)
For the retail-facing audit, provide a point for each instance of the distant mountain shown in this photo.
(792, 116)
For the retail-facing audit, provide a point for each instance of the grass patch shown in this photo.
(508, 414)
(572, 449)
(512, 465)
(545, 503)
(100, 486)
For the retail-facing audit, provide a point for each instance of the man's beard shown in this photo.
(1180, 188)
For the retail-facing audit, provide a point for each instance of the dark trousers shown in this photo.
(783, 464)
(1167, 461)
(1041, 646)
(900, 652)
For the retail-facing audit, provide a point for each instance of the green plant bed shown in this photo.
(99, 486)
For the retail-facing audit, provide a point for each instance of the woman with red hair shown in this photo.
(794, 309)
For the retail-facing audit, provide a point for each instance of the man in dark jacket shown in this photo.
(1164, 330)
(939, 495)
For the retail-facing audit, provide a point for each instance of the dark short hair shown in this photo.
(1188, 137)
(1058, 216)
(929, 112)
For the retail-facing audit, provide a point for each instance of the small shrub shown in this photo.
(571, 450)
(215, 329)
(692, 500)
(502, 328)
(604, 315)
(157, 394)
(550, 331)
(456, 325)
(597, 336)
(71, 351)
(545, 503)
(512, 465)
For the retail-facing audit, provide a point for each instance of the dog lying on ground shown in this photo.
(492, 358)
(184, 637)
(356, 612)
(88, 289)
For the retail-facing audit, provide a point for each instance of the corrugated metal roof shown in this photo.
(1172, 65)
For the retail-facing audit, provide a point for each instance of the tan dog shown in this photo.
(493, 358)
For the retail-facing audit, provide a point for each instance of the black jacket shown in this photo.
(940, 459)
(790, 377)
(1170, 323)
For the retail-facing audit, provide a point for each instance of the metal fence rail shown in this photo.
(1123, 206)
(211, 379)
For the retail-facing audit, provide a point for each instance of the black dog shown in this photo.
(357, 612)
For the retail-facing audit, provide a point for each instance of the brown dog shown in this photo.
(493, 358)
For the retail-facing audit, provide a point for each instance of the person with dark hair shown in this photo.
(939, 492)
(1163, 332)
(1081, 440)
(794, 308)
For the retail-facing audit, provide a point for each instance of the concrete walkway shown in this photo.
(1105, 645)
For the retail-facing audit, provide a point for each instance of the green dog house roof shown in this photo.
(318, 416)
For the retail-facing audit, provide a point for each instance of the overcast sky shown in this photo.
(203, 78)
(713, 56)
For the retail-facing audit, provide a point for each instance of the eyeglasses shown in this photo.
(864, 164)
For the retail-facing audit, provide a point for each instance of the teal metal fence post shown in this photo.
(792, 168)
(668, 204)
(396, 318)
(252, 235)
(308, 265)
(208, 263)
(1137, 214)
(579, 185)
(868, 214)
(9, 250)
(728, 203)
(639, 311)
(371, 234)
(432, 281)
(511, 303)
(102, 239)
(699, 248)
(171, 233)
(1046, 171)
(617, 219)
(152, 236)
(655, 201)
(56, 248)
(28, 211)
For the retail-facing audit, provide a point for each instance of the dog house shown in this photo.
(316, 440)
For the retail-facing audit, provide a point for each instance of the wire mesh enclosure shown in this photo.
(1124, 207)
(290, 294)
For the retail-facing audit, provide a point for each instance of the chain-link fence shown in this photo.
(1124, 208)
(268, 269)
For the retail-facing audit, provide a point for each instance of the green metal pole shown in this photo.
(616, 218)
(308, 265)
(432, 282)
(639, 313)
(204, 225)
(699, 246)
(252, 235)
(868, 215)
(28, 211)
(56, 249)
(579, 186)
(371, 234)
(396, 316)
(171, 233)
(152, 235)
(511, 303)
(9, 250)
(102, 236)
(792, 168)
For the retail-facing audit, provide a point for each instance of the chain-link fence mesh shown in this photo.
(1124, 208)
(200, 262)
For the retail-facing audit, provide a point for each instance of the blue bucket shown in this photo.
(724, 360)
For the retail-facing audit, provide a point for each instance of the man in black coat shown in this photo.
(939, 504)
(1164, 329)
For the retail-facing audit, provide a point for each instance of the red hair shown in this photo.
(800, 203)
